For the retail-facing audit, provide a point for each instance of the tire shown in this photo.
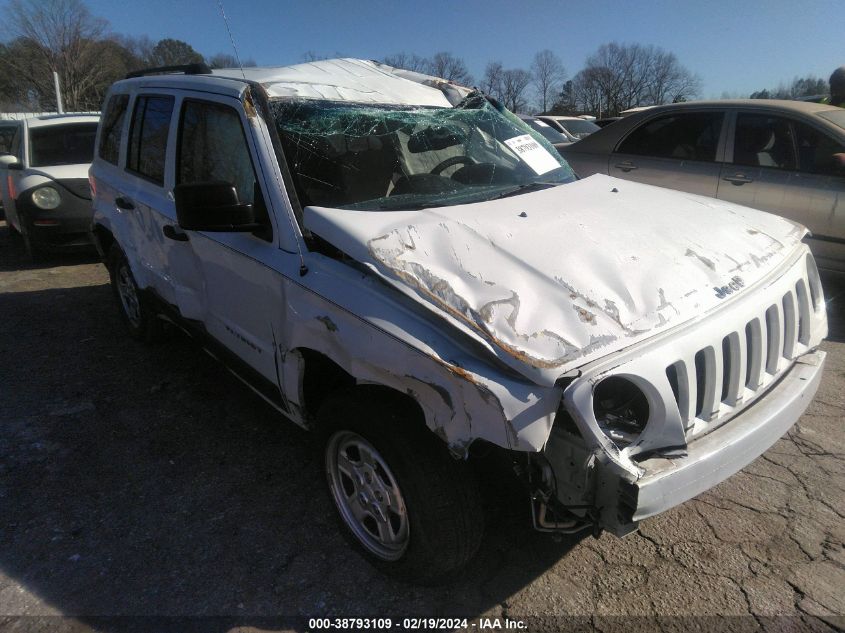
(33, 250)
(140, 319)
(380, 459)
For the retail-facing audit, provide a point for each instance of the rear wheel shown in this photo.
(141, 321)
(411, 508)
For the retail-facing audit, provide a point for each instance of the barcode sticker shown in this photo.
(535, 155)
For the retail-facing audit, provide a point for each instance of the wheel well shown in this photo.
(322, 377)
(103, 240)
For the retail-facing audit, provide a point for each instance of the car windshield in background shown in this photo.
(71, 144)
(837, 117)
(390, 157)
(551, 134)
(579, 127)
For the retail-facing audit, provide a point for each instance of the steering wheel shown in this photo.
(449, 162)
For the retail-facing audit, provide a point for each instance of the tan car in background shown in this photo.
(785, 157)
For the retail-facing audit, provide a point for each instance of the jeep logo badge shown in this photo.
(735, 284)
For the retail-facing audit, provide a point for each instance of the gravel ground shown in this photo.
(143, 484)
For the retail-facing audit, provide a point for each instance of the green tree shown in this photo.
(170, 52)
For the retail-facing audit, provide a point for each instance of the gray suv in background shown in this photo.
(785, 157)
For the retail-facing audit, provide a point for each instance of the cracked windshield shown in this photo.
(388, 157)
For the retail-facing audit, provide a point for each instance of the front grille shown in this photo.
(732, 370)
(77, 186)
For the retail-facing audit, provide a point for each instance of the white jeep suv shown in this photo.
(405, 267)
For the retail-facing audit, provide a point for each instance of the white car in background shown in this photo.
(44, 163)
(575, 126)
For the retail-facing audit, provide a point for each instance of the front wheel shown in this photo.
(411, 508)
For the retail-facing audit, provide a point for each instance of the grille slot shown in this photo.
(774, 339)
(790, 331)
(803, 312)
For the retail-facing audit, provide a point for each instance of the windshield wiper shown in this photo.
(532, 186)
(409, 206)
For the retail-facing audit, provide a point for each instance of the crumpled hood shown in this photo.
(556, 278)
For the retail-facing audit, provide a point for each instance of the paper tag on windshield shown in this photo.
(534, 154)
(541, 124)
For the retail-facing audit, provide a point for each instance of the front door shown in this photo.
(244, 303)
(677, 151)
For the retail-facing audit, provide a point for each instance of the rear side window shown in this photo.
(148, 137)
(66, 144)
(686, 136)
(7, 135)
(761, 140)
(112, 127)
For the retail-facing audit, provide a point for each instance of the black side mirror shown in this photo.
(212, 206)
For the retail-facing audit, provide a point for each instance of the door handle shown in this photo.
(124, 203)
(738, 179)
(170, 232)
(626, 166)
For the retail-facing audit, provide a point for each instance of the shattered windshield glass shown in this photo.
(388, 157)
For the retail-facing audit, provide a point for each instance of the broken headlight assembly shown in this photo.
(621, 410)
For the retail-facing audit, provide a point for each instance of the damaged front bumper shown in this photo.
(613, 499)
(723, 452)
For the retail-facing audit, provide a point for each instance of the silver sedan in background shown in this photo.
(785, 157)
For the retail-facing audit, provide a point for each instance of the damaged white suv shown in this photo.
(405, 267)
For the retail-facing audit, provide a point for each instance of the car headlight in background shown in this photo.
(46, 198)
(621, 410)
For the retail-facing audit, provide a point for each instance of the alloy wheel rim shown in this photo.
(128, 296)
(367, 495)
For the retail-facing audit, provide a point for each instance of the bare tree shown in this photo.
(491, 82)
(59, 36)
(408, 62)
(621, 76)
(514, 84)
(548, 74)
(451, 68)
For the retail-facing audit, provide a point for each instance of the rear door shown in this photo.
(680, 150)
(786, 166)
(146, 202)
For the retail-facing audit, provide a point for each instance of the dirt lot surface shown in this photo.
(147, 482)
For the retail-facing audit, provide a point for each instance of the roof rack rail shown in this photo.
(187, 69)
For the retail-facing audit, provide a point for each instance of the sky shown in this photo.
(734, 46)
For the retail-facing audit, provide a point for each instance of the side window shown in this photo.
(686, 136)
(212, 147)
(7, 134)
(112, 127)
(763, 141)
(148, 137)
(817, 151)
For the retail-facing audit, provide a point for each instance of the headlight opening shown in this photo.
(621, 410)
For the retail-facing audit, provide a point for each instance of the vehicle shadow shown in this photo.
(14, 256)
(143, 487)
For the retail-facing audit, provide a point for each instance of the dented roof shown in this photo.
(356, 80)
